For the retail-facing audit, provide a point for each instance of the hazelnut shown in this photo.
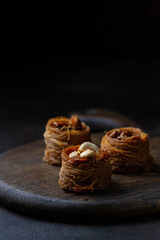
(75, 122)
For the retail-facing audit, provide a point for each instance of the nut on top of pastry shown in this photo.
(84, 168)
(86, 149)
(73, 122)
(128, 148)
(62, 132)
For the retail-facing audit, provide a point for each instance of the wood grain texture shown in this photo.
(29, 185)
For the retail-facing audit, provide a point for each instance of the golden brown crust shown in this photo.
(60, 134)
(128, 149)
(84, 174)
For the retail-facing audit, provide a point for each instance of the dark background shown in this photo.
(57, 61)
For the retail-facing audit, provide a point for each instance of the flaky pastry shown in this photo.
(128, 149)
(62, 132)
(84, 170)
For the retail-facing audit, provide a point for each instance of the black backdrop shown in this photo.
(55, 60)
(55, 63)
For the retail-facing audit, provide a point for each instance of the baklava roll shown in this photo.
(128, 150)
(62, 132)
(84, 168)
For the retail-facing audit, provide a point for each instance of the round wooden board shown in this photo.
(29, 185)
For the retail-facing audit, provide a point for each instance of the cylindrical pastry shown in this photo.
(62, 132)
(128, 149)
(84, 168)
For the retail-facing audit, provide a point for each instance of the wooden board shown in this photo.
(29, 185)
